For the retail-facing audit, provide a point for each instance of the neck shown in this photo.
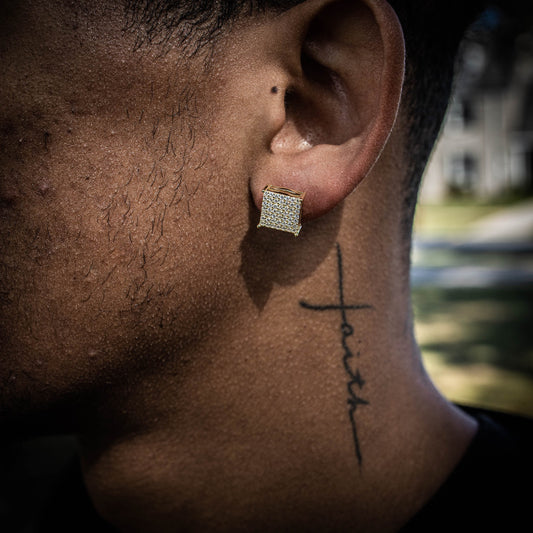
(300, 407)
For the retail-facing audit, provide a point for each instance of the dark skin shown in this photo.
(141, 308)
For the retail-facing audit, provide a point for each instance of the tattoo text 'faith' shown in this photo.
(356, 382)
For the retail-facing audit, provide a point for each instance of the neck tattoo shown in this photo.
(355, 380)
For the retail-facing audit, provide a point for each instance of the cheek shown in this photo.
(55, 274)
(110, 210)
(111, 257)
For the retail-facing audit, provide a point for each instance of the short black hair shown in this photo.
(194, 23)
(433, 31)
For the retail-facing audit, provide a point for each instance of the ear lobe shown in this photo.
(340, 108)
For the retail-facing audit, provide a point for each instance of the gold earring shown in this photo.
(281, 209)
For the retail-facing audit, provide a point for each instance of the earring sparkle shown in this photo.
(281, 209)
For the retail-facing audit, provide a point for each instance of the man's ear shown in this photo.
(337, 108)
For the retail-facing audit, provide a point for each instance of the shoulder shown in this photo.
(489, 490)
(501, 435)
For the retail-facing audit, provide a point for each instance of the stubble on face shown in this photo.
(106, 165)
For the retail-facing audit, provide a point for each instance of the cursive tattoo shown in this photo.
(356, 381)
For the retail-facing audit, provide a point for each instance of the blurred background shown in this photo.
(472, 258)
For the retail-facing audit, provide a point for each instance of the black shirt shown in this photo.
(490, 489)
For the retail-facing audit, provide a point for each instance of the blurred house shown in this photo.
(486, 145)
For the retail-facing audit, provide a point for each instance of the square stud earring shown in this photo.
(281, 209)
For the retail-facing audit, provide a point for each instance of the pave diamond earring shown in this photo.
(281, 209)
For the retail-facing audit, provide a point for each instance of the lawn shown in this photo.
(477, 343)
(450, 219)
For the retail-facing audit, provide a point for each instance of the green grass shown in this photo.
(453, 217)
(449, 220)
(478, 344)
